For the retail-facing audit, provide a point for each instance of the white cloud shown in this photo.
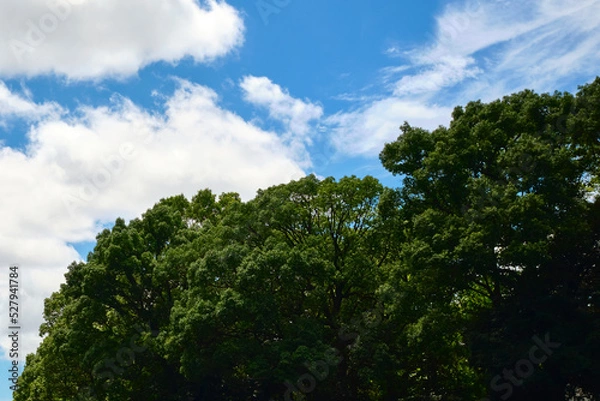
(365, 131)
(393, 51)
(91, 39)
(448, 71)
(89, 167)
(14, 105)
(507, 44)
(481, 50)
(298, 116)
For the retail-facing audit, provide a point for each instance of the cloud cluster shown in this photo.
(84, 168)
(93, 39)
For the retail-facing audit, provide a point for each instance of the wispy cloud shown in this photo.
(14, 105)
(447, 71)
(480, 50)
(364, 131)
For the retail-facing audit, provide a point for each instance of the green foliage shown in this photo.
(501, 221)
(346, 290)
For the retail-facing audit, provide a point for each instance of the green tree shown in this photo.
(222, 299)
(279, 283)
(346, 290)
(500, 220)
(99, 328)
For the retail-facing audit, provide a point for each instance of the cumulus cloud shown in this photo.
(480, 50)
(84, 168)
(297, 116)
(91, 39)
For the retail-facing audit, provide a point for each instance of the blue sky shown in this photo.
(107, 106)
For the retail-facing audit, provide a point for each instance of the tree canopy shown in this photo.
(476, 279)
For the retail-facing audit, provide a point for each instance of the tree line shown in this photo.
(476, 279)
